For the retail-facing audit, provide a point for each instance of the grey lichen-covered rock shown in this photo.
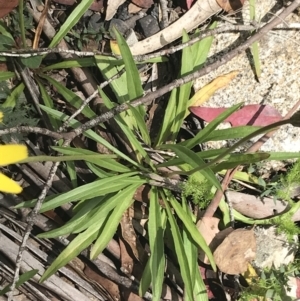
(272, 249)
(279, 83)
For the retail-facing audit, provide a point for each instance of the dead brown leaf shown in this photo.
(143, 3)
(207, 91)
(3, 67)
(129, 236)
(208, 227)
(133, 9)
(231, 5)
(236, 251)
(255, 207)
(97, 5)
(6, 6)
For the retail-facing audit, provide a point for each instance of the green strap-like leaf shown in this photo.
(22, 279)
(128, 131)
(194, 161)
(134, 84)
(70, 97)
(12, 99)
(192, 229)
(240, 159)
(208, 154)
(201, 136)
(156, 227)
(79, 243)
(73, 18)
(180, 253)
(192, 57)
(88, 191)
(231, 133)
(102, 160)
(110, 227)
(279, 156)
(191, 250)
(71, 63)
(87, 209)
(49, 103)
(6, 75)
(90, 134)
(145, 280)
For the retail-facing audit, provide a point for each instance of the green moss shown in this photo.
(200, 192)
(271, 284)
(284, 224)
(289, 181)
(22, 114)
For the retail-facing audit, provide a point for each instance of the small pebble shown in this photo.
(148, 26)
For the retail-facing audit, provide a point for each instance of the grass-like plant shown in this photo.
(99, 205)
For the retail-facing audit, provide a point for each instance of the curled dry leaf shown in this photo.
(143, 3)
(207, 91)
(259, 115)
(97, 5)
(112, 6)
(236, 251)
(133, 9)
(257, 207)
(208, 227)
(128, 235)
(6, 6)
(231, 5)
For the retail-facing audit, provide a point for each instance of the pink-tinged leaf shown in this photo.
(258, 115)
(208, 276)
(189, 3)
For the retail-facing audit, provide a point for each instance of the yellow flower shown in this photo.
(10, 154)
(1, 116)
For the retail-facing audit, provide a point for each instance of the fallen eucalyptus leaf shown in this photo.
(258, 115)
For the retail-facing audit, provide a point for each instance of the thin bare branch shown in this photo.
(36, 130)
(176, 83)
(30, 223)
(214, 204)
(87, 100)
(25, 53)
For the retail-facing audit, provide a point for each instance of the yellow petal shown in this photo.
(12, 153)
(250, 275)
(8, 185)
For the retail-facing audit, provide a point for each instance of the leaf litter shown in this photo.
(232, 251)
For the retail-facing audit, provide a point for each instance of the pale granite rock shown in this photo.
(279, 84)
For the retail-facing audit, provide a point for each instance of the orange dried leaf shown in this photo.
(207, 91)
(114, 47)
